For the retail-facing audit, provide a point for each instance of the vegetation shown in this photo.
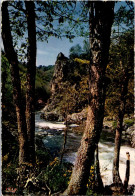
(43, 85)
(27, 88)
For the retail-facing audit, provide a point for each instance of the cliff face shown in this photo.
(65, 89)
(62, 68)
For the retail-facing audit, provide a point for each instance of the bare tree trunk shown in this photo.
(17, 97)
(31, 74)
(124, 88)
(127, 171)
(101, 19)
(116, 176)
(99, 182)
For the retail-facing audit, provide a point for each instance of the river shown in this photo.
(53, 139)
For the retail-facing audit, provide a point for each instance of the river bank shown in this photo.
(53, 139)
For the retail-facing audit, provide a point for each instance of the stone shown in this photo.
(51, 116)
(63, 70)
(77, 118)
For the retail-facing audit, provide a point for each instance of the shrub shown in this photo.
(129, 122)
(114, 124)
(56, 176)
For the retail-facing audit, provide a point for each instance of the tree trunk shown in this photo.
(98, 179)
(118, 134)
(101, 19)
(31, 74)
(127, 171)
(116, 176)
(17, 97)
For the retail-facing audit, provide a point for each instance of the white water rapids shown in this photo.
(106, 151)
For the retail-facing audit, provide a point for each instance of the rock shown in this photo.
(77, 118)
(61, 56)
(129, 134)
(128, 137)
(123, 132)
(125, 127)
(133, 139)
(106, 127)
(50, 116)
(130, 130)
(42, 133)
(49, 132)
(63, 67)
(66, 76)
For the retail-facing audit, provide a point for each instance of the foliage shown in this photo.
(42, 84)
(74, 93)
(43, 87)
(55, 176)
(75, 51)
(129, 122)
(9, 158)
(91, 180)
(114, 124)
(80, 52)
(6, 81)
(53, 18)
(121, 63)
(124, 17)
(9, 176)
(92, 183)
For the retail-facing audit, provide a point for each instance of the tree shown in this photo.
(25, 120)
(75, 51)
(80, 52)
(100, 22)
(13, 27)
(31, 74)
(12, 58)
(120, 72)
(122, 53)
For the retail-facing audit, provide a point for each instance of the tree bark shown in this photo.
(127, 171)
(100, 22)
(17, 97)
(98, 179)
(31, 74)
(118, 134)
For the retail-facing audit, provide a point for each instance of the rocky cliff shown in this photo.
(62, 69)
(65, 88)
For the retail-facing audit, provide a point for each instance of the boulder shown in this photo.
(133, 139)
(63, 67)
(77, 118)
(50, 116)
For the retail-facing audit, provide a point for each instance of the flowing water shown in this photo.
(53, 138)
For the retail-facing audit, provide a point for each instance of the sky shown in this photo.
(47, 52)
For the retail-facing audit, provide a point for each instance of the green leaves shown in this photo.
(121, 63)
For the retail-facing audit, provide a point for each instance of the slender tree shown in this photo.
(25, 119)
(17, 96)
(31, 73)
(119, 128)
(124, 53)
(100, 22)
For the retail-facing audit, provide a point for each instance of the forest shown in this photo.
(68, 128)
